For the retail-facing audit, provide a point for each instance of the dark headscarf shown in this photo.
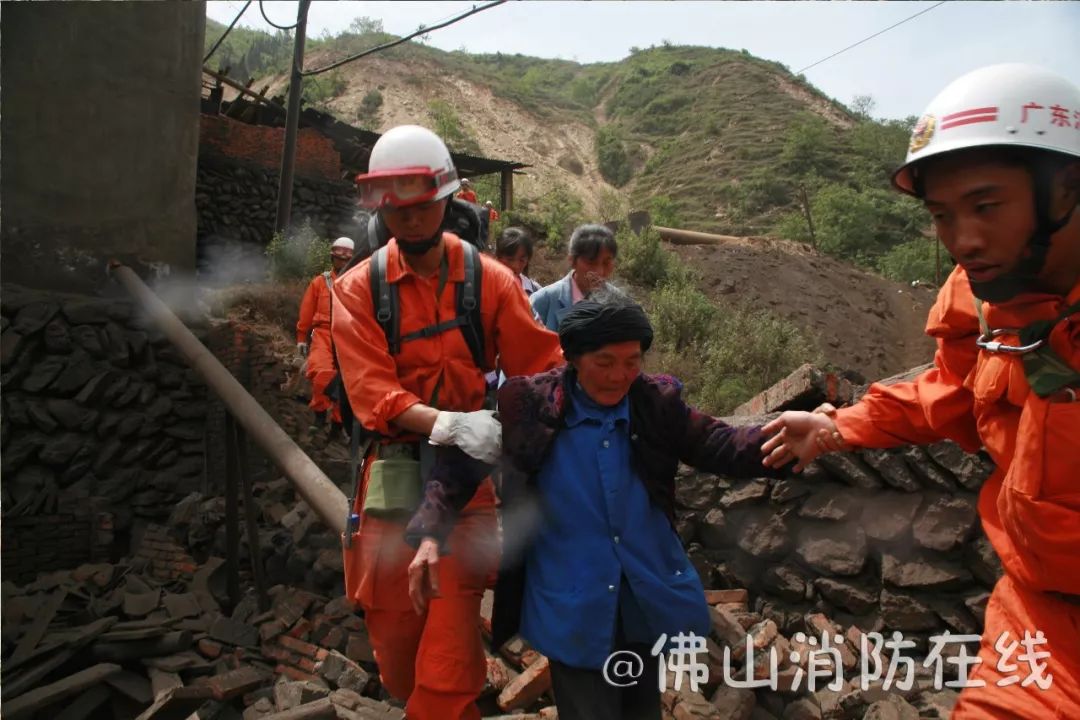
(598, 321)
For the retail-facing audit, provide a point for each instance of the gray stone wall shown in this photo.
(882, 539)
(99, 126)
(237, 206)
(102, 426)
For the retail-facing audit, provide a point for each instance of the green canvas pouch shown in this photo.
(394, 488)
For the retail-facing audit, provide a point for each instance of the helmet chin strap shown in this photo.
(1024, 277)
(419, 247)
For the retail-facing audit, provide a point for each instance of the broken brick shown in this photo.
(209, 649)
(298, 646)
(339, 607)
(236, 682)
(527, 687)
(715, 597)
(335, 639)
(358, 648)
(301, 630)
(295, 673)
(270, 630)
(233, 632)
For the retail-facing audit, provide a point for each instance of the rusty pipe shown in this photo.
(693, 237)
(318, 491)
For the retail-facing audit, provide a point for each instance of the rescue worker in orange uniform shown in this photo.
(313, 333)
(421, 596)
(999, 170)
(467, 193)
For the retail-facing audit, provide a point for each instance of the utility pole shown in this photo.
(292, 120)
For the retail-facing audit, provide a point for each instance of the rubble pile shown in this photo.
(780, 665)
(115, 641)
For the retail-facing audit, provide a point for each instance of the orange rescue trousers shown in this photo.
(321, 370)
(435, 661)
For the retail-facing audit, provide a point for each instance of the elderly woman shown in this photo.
(592, 261)
(592, 564)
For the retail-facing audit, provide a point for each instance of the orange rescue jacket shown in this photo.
(315, 307)
(1030, 506)
(382, 386)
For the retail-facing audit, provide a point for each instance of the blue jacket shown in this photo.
(550, 303)
(664, 431)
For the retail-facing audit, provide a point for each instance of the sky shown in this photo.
(902, 69)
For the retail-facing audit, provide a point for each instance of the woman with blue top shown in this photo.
(592, 262)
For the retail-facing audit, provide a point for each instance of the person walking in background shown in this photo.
(467, 193)
(514, 249)
(313, 335)
(591, 255)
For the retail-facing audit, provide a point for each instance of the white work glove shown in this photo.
(302, 349)
(478, 433)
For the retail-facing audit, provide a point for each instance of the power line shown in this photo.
(419, 31)
(271, 22)
(227, 31)
(871, 37)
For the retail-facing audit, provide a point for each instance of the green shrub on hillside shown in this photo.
(681, 314)
(913, 260)
(321, 89)
(552, 217)
(663, 211)
(643, 260)
(299, 254)
(370, 106)
(449, 127)
(748, 350)
(611, 156)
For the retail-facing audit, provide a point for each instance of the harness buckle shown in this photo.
(989, 344)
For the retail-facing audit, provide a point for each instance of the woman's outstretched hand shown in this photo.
(801, 436)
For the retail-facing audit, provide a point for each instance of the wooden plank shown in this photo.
(177, 704)
(134, 686)
(162, 681)
(37, 629)
(18, 684)
(15, 684)
(28, 703)
(84, 706)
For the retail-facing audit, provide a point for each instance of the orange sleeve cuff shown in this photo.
(389, 407)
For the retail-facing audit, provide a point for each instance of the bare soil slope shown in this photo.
(861, 321)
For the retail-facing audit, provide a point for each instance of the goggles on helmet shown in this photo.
(401, 188)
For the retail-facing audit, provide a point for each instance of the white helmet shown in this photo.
(1011, 105)
(401, 157)
(343, 242)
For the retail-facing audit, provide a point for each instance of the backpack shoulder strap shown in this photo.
(468, 304)
(384, 297)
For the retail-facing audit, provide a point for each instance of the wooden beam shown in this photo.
(506, 190)
(244, 90)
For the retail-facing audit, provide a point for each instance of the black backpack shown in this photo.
(465, 219)
(384, 298)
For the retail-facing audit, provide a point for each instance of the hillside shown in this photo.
(731, 139)
(708, 139)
